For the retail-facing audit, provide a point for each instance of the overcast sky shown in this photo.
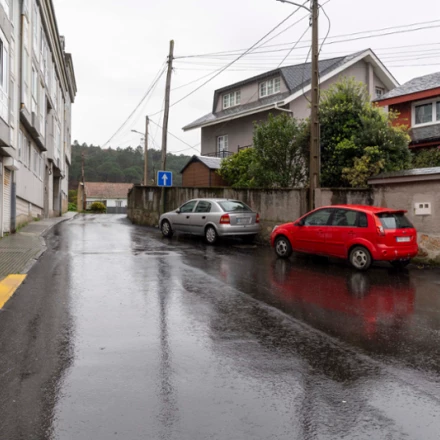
(118, 47)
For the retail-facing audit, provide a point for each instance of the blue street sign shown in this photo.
(164, 178)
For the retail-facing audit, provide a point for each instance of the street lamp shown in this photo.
(296, 4)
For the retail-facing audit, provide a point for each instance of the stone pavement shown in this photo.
(19, 251)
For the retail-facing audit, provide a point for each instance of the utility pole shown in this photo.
(315, 147)
(165, 120)
(84, 203)
(146, 152)
(167, 107)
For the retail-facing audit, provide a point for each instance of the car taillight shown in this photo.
(225, 219)
(379, 228)
(257, 220)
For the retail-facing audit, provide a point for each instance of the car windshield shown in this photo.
(234, 206)
(394, 220)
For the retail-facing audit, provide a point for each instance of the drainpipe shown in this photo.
(283, 109)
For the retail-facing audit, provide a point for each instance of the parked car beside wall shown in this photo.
(361, 234)
(212, 218)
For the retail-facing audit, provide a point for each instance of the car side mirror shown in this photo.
(299, 223)
(178, 210)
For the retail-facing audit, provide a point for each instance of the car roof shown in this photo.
(365, 208)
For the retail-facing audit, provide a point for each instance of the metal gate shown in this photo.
(7, 200)
(116, 210)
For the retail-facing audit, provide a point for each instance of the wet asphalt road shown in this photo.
(120, 334)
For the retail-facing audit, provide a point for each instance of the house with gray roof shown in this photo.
(229, 126)
(417, 103)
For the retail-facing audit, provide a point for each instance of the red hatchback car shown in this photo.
(361, 234)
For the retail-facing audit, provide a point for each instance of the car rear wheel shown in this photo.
(166, 229)
(400, 264)
(283, 248)
(210, 235)
(360, 258)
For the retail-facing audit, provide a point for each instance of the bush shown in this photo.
(72, 207)
(98, 207)
(426, 158)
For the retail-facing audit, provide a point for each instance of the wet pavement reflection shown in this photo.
(151, 338)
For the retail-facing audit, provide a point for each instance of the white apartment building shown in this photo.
(37, 90)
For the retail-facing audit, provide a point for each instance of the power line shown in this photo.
(158, 76)
(293, 47)
(173, 135)
(236, 59)
(235, 51)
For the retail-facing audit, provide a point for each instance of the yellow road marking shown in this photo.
(8, 286)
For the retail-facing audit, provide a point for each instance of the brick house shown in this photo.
(200, 171)
(418, 105)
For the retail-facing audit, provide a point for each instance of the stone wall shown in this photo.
(274, 206)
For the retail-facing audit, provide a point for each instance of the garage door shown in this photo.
(7, 200)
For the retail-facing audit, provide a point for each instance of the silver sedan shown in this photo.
(212, 218)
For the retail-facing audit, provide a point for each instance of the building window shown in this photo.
(222, 145)
(4, 78)
(5, 4)
(379, 92)
(35, 28)
(427, 112)
(34, 90)
(20, 144)
(270, 87)
(231, 99)
(35, 161)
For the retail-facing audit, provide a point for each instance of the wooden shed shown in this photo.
(200, 171)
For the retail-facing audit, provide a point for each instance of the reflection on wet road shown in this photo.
(119, 333)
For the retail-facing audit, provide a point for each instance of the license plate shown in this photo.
(243, 220)
(402, 239)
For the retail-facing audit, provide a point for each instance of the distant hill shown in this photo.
(120, 164)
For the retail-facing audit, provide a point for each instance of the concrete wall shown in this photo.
(274, 206)
(397, 196)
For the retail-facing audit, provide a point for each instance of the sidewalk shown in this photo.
(19, 251)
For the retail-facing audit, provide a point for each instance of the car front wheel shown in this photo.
(166, 229)
(360, 258)
(211, 235)
(283, 248)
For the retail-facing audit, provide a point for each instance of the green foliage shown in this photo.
(120, 164)
(350, 124)
(98, 207)
(370, 164)
(281, 146)
(73, 196)
(72, 207)
(239, 169)
(278, 158)
(426, 158)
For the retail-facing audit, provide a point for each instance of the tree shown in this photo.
(350, 124)
(239, 169)
(281, 146)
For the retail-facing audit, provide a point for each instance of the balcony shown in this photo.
(221, 154)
